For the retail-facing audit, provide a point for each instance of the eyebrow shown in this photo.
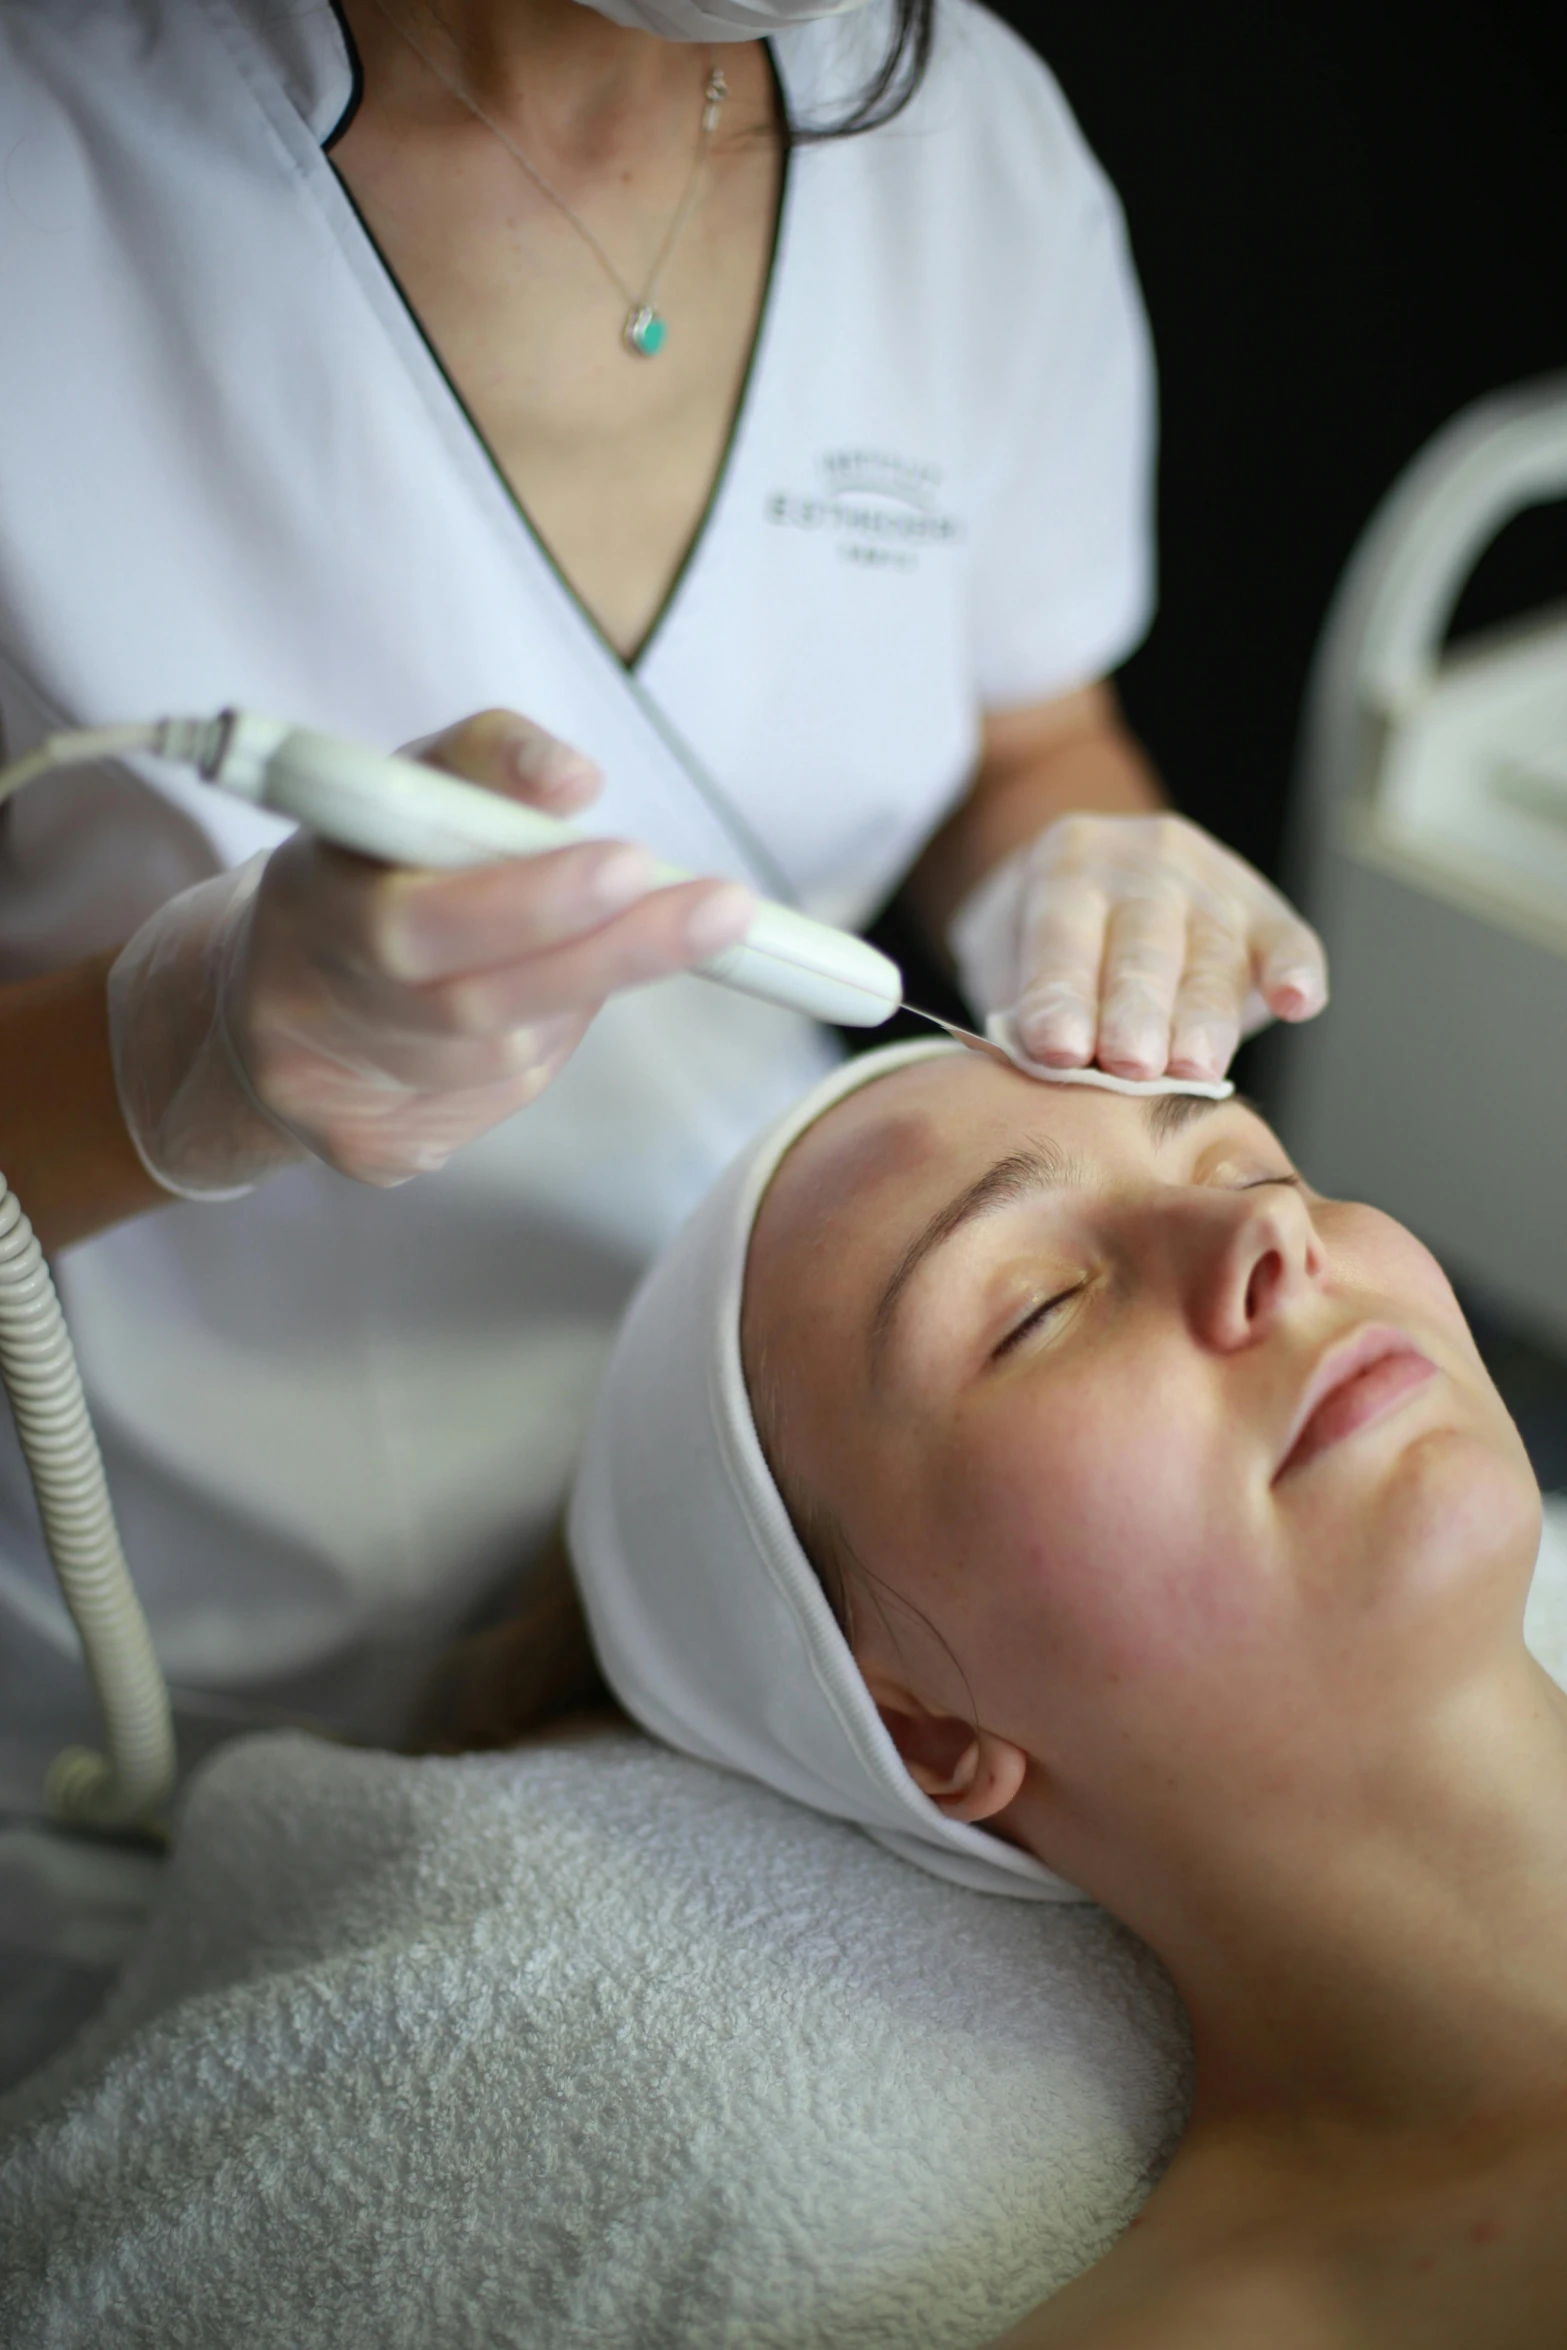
(1037, 1166)
(1167, 1114)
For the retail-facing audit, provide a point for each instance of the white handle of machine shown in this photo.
(405, 813)
(1500, 456)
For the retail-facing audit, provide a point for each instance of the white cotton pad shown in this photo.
(1002, 1030)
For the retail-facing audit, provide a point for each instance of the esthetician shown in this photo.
(757, 400)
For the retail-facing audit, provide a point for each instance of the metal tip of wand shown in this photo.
(965, 1036)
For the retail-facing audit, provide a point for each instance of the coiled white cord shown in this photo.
(128, 1786)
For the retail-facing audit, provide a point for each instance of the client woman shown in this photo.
(1054, 1485)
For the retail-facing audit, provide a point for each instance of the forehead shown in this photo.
(904, 1141)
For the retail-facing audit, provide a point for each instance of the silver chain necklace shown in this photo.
(643, 329)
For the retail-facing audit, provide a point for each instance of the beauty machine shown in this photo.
(405, 814)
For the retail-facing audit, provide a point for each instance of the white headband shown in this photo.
(708, 1619)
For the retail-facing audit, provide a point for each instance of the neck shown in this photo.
(1385, 1950)
(552, 67)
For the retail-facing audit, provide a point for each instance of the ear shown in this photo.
(967, 1773)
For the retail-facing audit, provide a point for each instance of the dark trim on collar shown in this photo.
(357, 79)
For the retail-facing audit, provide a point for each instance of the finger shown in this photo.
(673, 930)
(385, 1140)
(1255, 1014)
(1145, 953)
(509, 753)
(374, 1075)
(1290, 964)
(417, 927)
(1057, 1010)
(1205, 1024)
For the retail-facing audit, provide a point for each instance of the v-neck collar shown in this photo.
(303, 70)
(634, 666)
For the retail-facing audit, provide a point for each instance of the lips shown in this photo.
(1356, 1382)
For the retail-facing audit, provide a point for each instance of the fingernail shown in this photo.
(1063, 1037)
(1297, 992)
(1206, 1050)
(553, 769)
(1137, 1048)
(573, 778)
(622, 876)
(720, 920)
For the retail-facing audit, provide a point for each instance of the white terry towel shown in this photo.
(592, 2046)
(575, 2049)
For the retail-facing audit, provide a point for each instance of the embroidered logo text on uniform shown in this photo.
(876, 508)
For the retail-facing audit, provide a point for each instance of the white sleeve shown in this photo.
(1062, 560)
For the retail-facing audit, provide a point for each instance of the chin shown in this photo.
(1460, 1511)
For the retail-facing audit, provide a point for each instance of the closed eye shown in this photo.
(1038, 1315)
(1032, 1320)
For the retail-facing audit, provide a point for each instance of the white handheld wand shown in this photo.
(405, 813)
(408, 814)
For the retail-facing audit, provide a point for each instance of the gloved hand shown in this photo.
(315, 1003)
(1138, 942)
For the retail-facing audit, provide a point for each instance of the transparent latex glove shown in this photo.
(1137, 942)
(313, 1003)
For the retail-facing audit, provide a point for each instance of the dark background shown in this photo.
(1349, 222)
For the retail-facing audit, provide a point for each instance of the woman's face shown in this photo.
(1156, 1460)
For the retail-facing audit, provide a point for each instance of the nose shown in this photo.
(1253, 1255)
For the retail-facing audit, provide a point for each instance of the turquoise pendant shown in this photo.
(644, 332)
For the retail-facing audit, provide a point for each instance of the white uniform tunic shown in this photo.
(233, 471)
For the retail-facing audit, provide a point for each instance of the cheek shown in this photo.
(1379, 1255)
(1098, 1538)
